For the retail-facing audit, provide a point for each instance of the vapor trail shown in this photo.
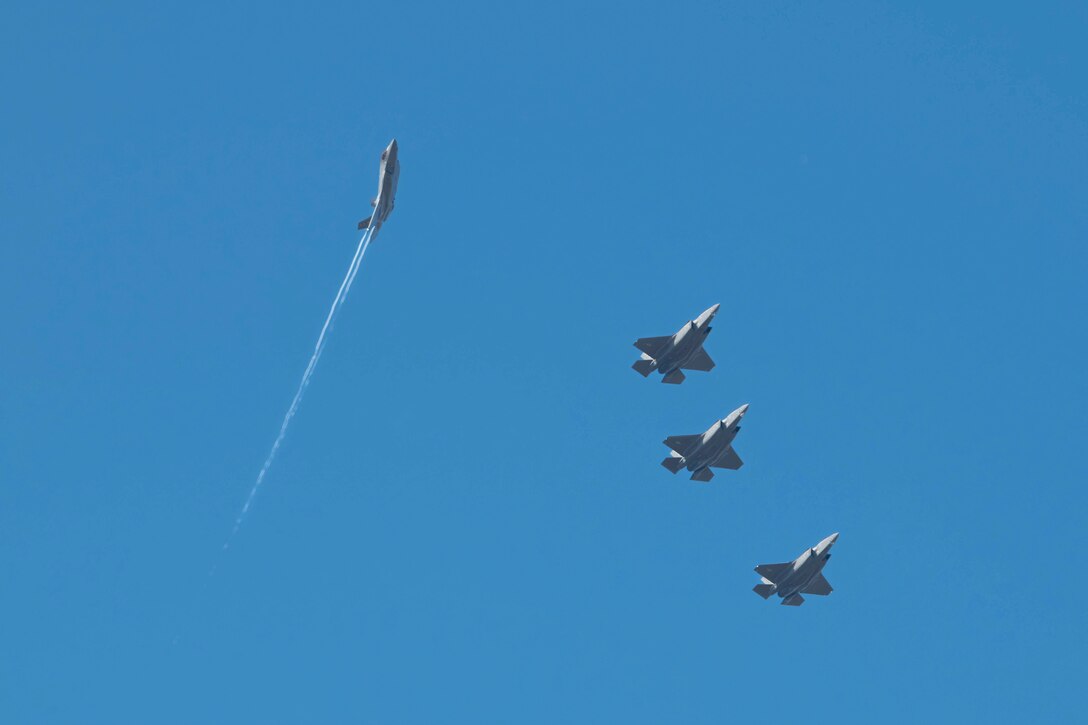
(319, 347)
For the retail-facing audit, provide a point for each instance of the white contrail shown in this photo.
(337, 303)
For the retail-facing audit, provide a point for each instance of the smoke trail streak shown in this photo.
(319, 347)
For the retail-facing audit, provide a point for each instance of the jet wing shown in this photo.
(729, 459)
(774, 573)
(699, 361)
(683, 445)
(653, 345)
(817, 586)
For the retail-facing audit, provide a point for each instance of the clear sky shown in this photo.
(468, 521)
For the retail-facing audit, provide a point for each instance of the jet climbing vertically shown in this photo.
(383, 204)
(388, 174)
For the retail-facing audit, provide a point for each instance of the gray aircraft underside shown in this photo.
(700, 452)
(388, 175)
(804, 575)
(671, 354)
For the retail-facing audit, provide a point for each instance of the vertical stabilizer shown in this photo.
(674, 378)
(702, 475)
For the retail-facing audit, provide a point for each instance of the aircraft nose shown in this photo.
(833, 538)
(742, 410)
(707, 315)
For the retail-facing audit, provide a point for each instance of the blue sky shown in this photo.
(468, 522)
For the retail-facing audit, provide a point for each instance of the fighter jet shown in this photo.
(388, 173)
(671, 353)
(714, 449)
(803, 575)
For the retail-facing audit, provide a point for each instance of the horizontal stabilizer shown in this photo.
(699, 361)
(365, 222)
(683, 445)
(763, 590)
(652, 346)
(774, 573)
(818, 586)
(644, 367)
(794, 600)
(674, 378)
(673, 464)
(703, 475)
(729, 459)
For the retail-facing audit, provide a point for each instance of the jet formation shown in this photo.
(669, 355)
(698, 453)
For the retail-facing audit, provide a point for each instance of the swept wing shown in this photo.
(818, 586)
(653, 345)
(729, 459)
(774, 573)
(683, 445)
(699, 361)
